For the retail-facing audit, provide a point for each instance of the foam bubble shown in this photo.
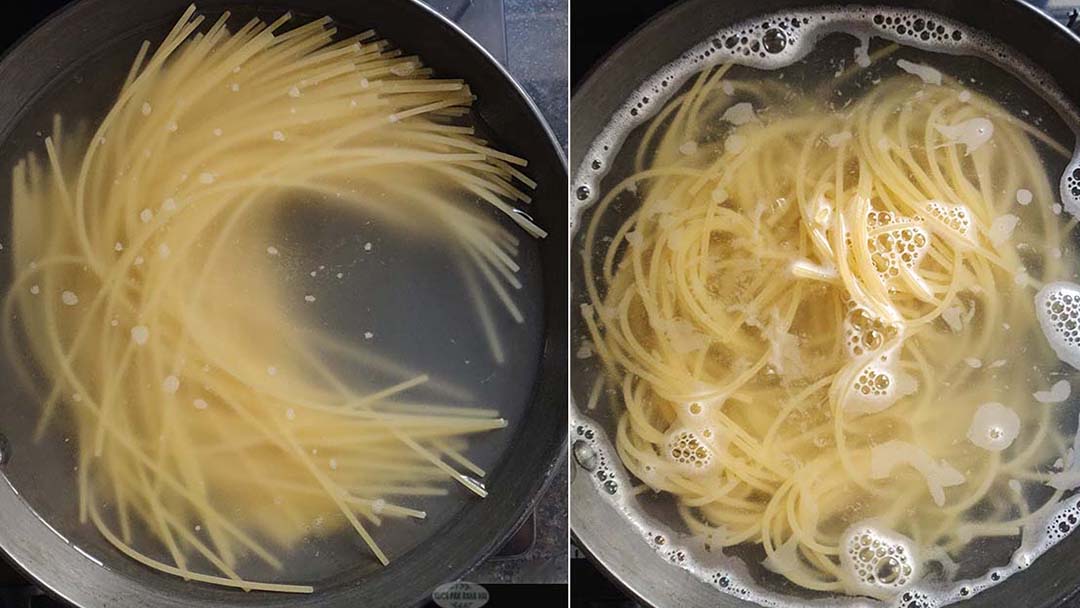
(897, 249)
(689, 449)
(1070, 185)
(877, 562)
(956, 218)
(1058, 308)
(878, 385)
(994, 427)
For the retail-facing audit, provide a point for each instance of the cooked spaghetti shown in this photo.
(810, 317)
(211, 421)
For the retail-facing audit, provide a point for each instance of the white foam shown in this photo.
(862, 52)
(740, 114)
(972, 133)
(1058, 308)
(878, 386)
(689, 449)
(1057, 393)
(877, 562)
(925, 73)
(954, 318)
(994, 427)
(884, 458)
(955, 218)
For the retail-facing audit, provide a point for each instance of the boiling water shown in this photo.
(806, 51)
(354, 277)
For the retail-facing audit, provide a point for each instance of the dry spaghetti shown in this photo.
(207, 410)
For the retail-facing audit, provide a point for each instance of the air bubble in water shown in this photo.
(774, 41)
(585, 455)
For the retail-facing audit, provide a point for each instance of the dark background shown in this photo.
(596, 26)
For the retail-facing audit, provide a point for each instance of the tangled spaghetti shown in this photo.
(811, 319)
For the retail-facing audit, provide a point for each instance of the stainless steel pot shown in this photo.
(67, 44)
(599, 528)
